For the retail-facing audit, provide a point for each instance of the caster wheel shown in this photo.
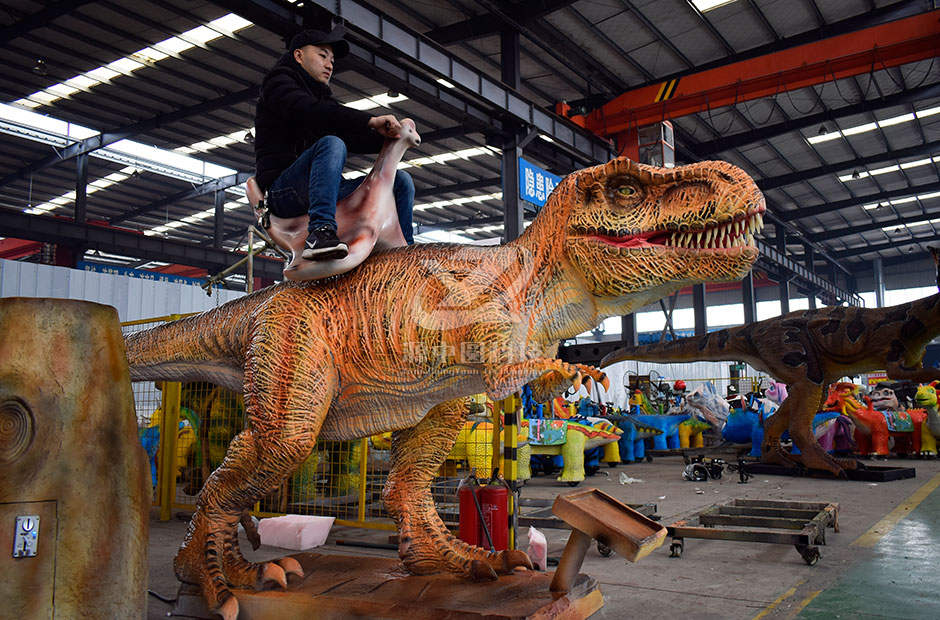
(574, 484)
(603, 549)
(675, 550)
(810, 554)
(611, 464)
(649, 458)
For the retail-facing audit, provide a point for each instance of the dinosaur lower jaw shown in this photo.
(734, 234)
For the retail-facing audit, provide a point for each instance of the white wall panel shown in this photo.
(134, 298)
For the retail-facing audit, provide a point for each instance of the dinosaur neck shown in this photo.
(560, 303)
(565, 304)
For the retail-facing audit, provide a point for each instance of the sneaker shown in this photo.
(323, 244)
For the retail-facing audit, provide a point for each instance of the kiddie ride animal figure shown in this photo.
(568, 438)
(883, 419)
(926, 398)
(399, 343)
(809, 350)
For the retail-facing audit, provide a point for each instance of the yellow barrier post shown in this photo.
(169, 431)
(511, 407)
(363, 461)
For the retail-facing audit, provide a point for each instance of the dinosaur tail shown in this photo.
(209, 346)
(715, 346)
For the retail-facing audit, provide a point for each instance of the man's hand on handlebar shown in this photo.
(386, 125)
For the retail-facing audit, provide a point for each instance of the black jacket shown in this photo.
(294, 111)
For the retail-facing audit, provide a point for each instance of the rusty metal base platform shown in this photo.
(801, 524)
(337, 587)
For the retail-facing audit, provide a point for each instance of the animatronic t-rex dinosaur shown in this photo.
(402, 340)
(808, 350)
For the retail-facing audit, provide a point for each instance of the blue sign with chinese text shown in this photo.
(142, 274)
(535, 184)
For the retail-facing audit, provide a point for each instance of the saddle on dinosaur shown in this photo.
(402, 341)
(366, 220)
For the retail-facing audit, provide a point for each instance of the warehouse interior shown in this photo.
(127, 137)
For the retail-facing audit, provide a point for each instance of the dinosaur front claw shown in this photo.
(273, 572)
(515, 557)
(229, 609)
(291, 567)
(576, 381)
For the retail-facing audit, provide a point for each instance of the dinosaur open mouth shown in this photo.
(736, 233)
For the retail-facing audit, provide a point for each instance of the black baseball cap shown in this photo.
(318, 37)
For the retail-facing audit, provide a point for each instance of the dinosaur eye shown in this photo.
(626, 190)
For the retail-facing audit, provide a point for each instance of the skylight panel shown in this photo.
(897, 227)
(175, 45)
(202, 34)
(888, 122)
(230, 22)
(149, 55)
(223, 26)
(861, 174)
(708, 5)
(376, 101)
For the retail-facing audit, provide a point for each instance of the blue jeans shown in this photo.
(314, 182)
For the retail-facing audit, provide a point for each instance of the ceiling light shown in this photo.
(856, 175)
(40, 67)
(822, 130)
(249, 137)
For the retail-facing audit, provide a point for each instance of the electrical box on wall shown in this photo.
(657, 145)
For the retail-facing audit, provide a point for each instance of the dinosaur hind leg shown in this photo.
(286, 400)
(426, 546)
(771, 451)
(805, 399)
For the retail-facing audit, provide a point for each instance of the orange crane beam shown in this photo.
(879, 47)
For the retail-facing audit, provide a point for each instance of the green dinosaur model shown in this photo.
(400, 342)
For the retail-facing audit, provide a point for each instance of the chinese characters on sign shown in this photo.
(535, 184)
(138, 273)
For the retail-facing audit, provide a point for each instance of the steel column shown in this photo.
(81, 188)
(879, 283)
(748, 299)
(698, 304)
(219, 221)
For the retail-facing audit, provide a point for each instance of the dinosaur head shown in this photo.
(629, 227)
(926, 395)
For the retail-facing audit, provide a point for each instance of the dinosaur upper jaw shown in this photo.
(736, 232)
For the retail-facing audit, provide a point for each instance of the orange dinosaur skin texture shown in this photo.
(810, 350)
(400, 342)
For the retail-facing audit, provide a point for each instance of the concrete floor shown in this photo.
(880, 564)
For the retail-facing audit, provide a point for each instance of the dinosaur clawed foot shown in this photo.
(776, 455)
(512, 558)
(436, 550)
(210, 559)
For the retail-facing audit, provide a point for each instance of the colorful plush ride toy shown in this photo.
(926, 398)
(880, 419)
(568, 438)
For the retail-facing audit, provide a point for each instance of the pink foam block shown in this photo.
(296, 532)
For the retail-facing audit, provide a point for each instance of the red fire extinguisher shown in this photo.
(484, 514)
(468, 494)
(494, 502)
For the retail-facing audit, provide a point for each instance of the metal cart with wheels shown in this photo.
(801, 524)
